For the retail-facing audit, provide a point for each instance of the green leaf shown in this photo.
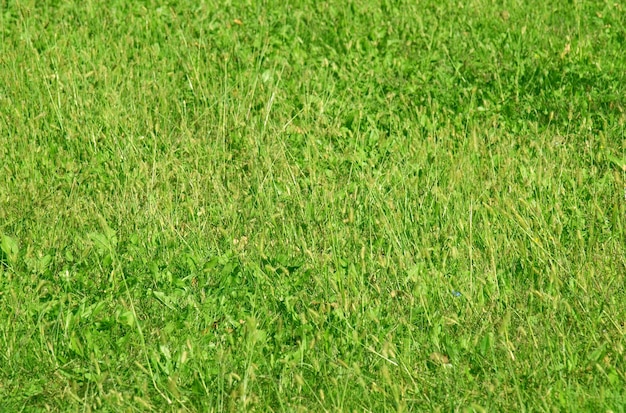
(9, 248)
(126, 318)
(103, 243)
(164, 299)
(620, 163)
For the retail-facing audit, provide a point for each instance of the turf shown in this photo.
(312, 206)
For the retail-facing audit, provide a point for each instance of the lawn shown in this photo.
(312, 205)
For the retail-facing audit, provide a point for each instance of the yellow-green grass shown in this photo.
(312, 206)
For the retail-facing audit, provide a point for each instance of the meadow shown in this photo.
(312, 205)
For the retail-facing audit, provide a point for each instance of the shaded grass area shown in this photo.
(312, 206)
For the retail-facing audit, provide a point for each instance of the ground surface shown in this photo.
(341, 206)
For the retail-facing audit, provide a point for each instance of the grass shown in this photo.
(312, 206)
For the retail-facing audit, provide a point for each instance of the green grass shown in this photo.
(312, 206)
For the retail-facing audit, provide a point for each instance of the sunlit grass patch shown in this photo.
(312, 206)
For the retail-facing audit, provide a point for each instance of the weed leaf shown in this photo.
(620, 163)
(10, 250)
